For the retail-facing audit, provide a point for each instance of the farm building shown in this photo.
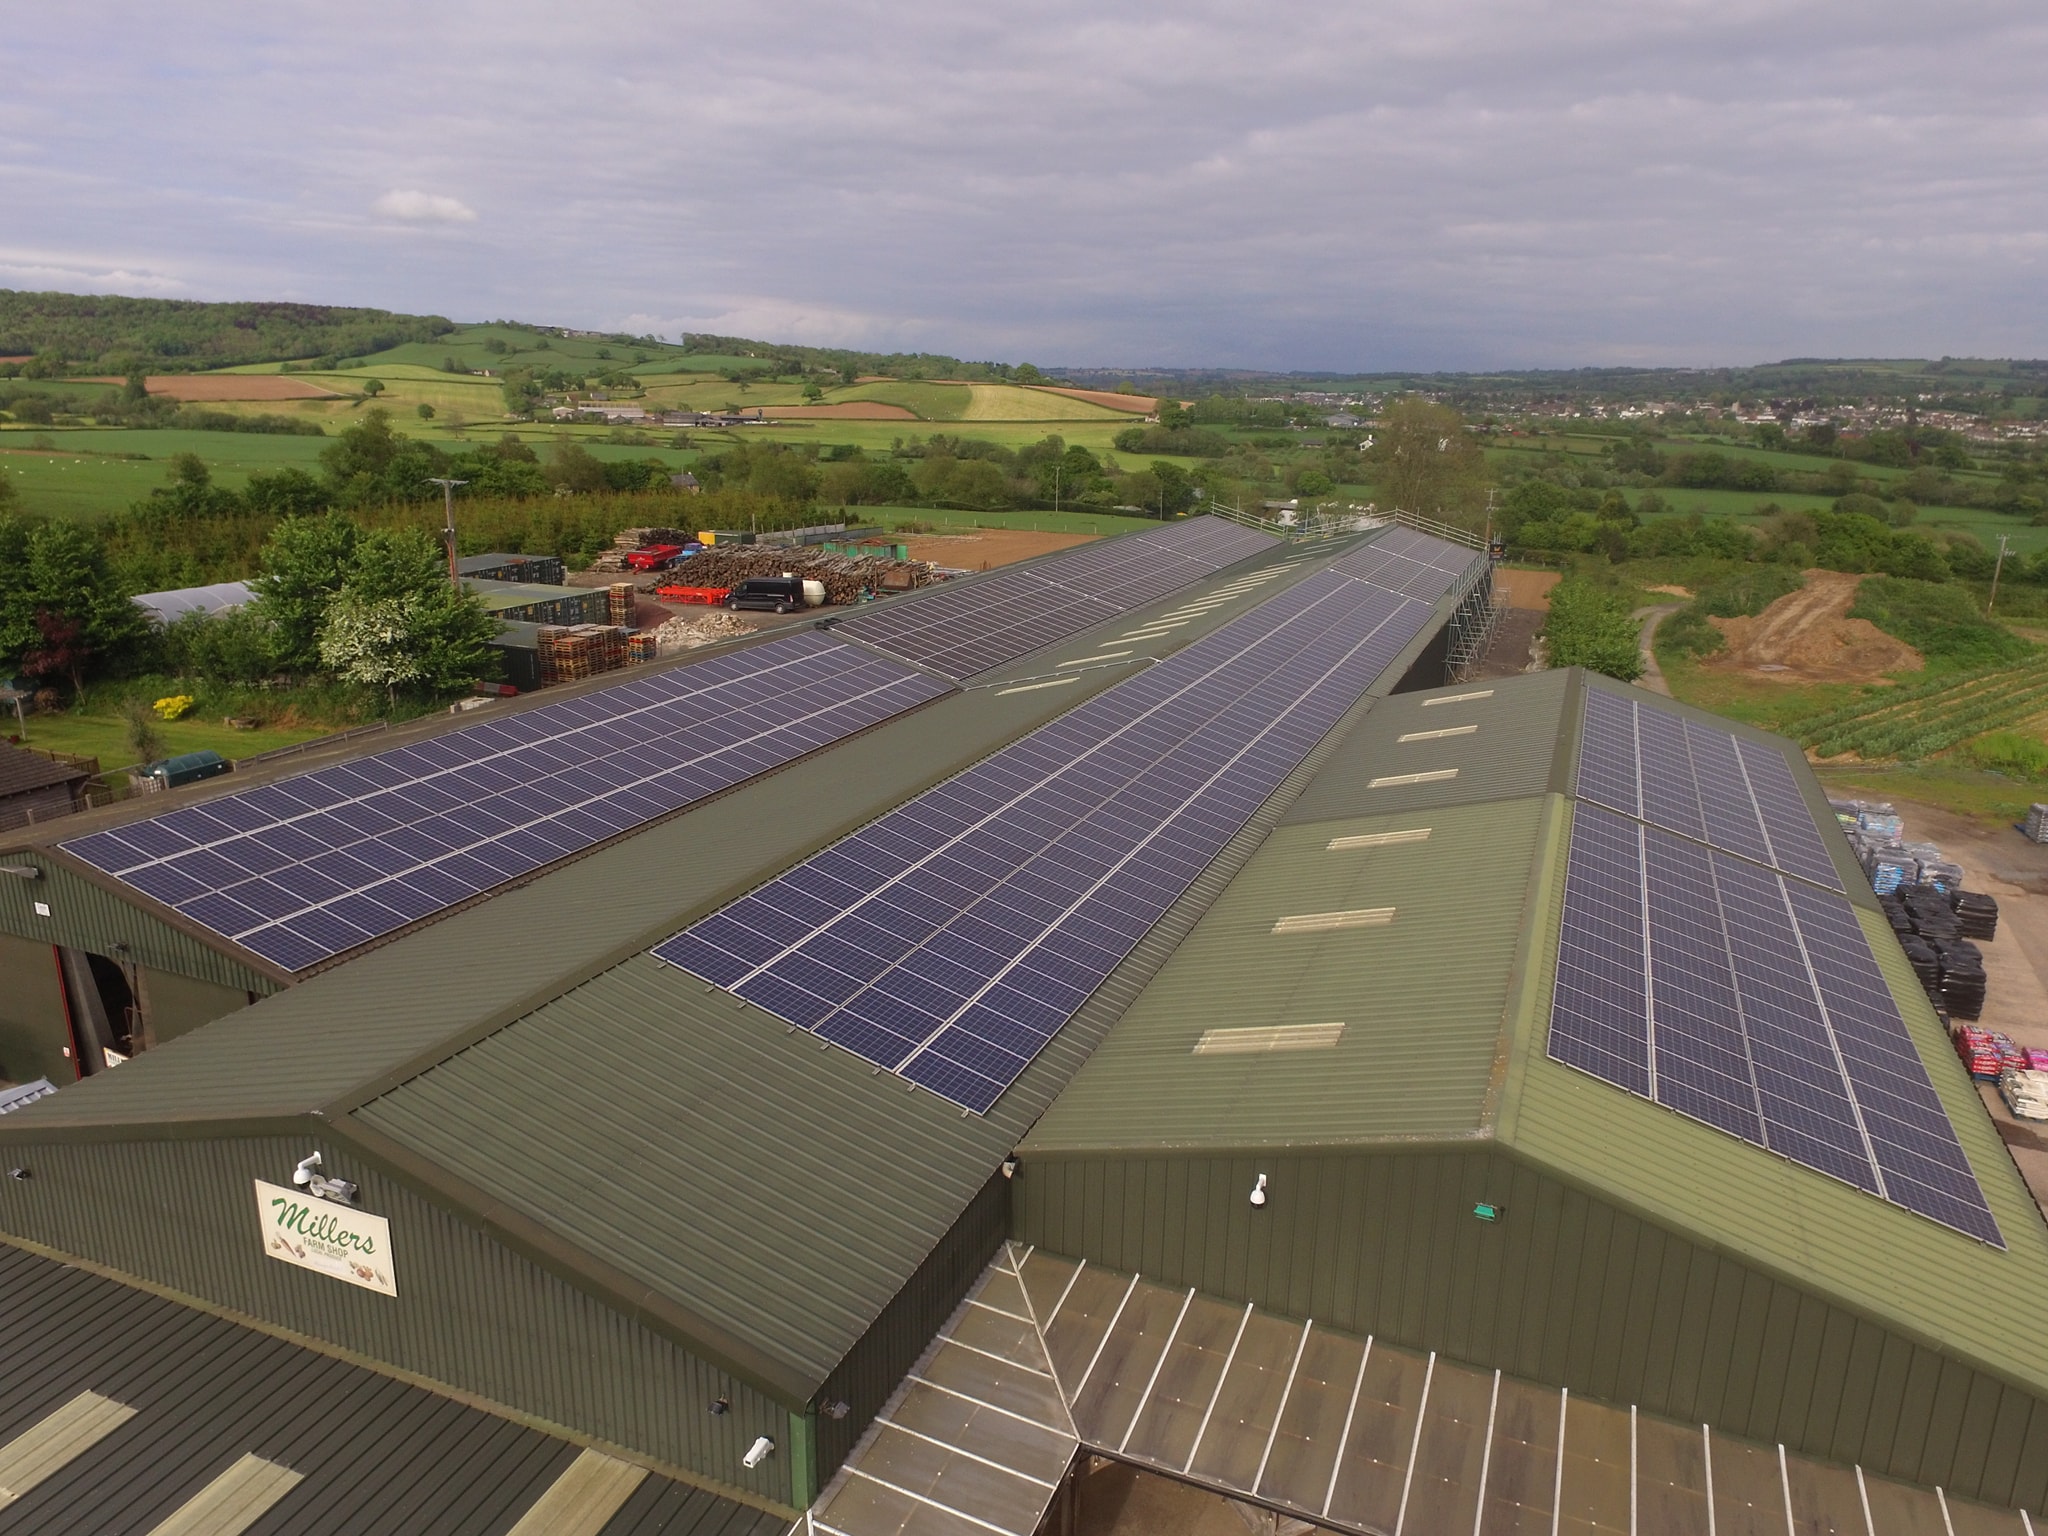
(1130, 1005)
(535, 602)
(169, 607)
(38, 786)
(500, 567)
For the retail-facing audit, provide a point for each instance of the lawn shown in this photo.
(106, 737)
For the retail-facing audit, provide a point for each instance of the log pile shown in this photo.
(686, 632)
(846, 577)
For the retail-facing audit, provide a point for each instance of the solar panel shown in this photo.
(300, 870)
(1703, 783)
(975, 626)
(950, 940)
(1750, 1002)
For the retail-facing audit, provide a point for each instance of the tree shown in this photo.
(373, 387)
(1426, 463)
(369, 640)
(424, 411)
(371, 463)
(304, 563)
(397, 622)
(812, 392)
(572, 467)
(145, 740)
(62, 613)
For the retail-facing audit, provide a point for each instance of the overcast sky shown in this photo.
(1401, 184)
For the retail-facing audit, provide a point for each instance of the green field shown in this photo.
(64, 482)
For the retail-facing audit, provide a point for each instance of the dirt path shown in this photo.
(1807, 637)
(986, 548)
(1653, 675)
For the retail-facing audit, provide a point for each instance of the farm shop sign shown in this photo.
(320, 1235)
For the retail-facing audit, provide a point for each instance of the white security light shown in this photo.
(307, 1176)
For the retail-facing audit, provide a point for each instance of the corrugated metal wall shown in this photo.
(33, 1033)
(1564, 1290)
(469, 1312)
(83, 916)
(875, 1366)
(176, 1005)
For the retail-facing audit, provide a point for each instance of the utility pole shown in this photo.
(448, 529)
(1993, 603)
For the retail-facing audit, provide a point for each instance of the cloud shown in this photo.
(424, 208)
(38, 270)
(1402, 185)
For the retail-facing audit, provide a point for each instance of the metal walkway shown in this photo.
(1051, 1356)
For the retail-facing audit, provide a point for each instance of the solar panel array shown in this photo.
(1417, 565)
(303, 869)
(1706, 784)
(974, 626)
(1750, 1001)
(952, 939)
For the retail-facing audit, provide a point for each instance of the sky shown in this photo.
(1410, 184)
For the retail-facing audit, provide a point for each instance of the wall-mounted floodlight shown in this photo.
(1009, 1167)
(721, 1406)
(1259, 1191)
(308, 1177)
(21, 871)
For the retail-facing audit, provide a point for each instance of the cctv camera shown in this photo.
(303, 1174)
(1259, 1191)
(758, 1452)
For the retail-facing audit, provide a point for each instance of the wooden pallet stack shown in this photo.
(570, 652)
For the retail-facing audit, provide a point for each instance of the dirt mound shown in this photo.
(989, 547)
(235, 386)
(1526, 589)
(1807, 637)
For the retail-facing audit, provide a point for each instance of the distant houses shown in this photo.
(634, 415)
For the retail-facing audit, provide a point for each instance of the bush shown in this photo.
(1941, 622)
(1592, 627)
(2010, 753)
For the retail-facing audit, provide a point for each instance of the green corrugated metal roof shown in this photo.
(401, 1002)
(1515, 749)
(1422, 998)
(1145, 1092)
(1918, 1277)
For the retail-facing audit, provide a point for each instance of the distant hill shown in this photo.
(169, 335)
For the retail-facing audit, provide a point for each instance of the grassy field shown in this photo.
(1007, 402)
(106, 737)
(75, 479)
